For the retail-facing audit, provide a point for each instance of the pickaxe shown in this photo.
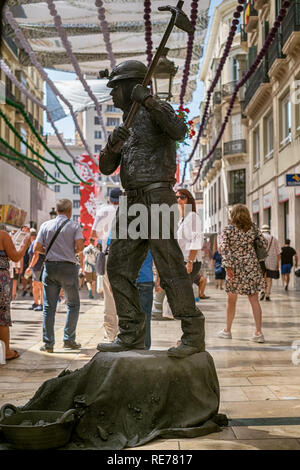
(179, 19)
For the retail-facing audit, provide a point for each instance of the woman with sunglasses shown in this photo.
(189, 232)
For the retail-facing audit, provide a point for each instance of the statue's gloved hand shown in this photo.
(140, 93)
(120, 133)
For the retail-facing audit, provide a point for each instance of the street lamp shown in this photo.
(163, 75)
(52, 213)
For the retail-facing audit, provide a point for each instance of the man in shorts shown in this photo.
(287, 256)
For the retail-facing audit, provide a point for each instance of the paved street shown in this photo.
(260, 384)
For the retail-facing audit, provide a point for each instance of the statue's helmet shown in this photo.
(125, 70)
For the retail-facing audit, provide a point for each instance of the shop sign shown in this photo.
(12, 215)
(293, 179)
(267, 201)
(283, 194)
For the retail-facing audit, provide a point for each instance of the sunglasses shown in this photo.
(181, 197)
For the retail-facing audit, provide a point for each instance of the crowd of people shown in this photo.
(54, 263)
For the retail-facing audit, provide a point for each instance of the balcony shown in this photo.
(228, 89)
(234, 147)
(217, 98)
(9, 94)
(237, 197)
(244, 39)
(251, 18)
(276, 58)
(291, 30)
(258, 89)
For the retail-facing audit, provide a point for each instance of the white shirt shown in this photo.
(189, 235)
(103, 222)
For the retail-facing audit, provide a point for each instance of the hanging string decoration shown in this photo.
(188, 59)
(234, 25)
(26, 46)
(148, 30)
(5, 68)
(105, 32)
(269, 39)
(67, 45)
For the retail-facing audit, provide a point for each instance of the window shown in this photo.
(235, 69)
(286, 120)
(236, 127)
(56, 174)
(268, 137)
(111, 121)
(237, 187)
(97, 148)
(23, 148)
(256, 149)
(97, 135)
(76, 203)
(76, 189)
(111, 109)
(215, 198)
(96, 121)
(76, 218)
(57, 188)
(219, 193)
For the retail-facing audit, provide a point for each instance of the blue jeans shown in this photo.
(56, 276)
(146, 300)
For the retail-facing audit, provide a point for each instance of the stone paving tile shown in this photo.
(256, 380)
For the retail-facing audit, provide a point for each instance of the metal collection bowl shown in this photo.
(56, 431)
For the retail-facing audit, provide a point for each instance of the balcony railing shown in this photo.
(275, 49)
(291, 21)
(217, 98)
(228, 88)
(259, 76)
(234, 147)
(237, 197)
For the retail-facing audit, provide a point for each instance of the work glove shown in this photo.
(140, 93)
(119, 134)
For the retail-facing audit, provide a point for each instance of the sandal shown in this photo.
(15, 356)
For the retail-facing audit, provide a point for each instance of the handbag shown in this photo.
(51, 243)
(260, 250)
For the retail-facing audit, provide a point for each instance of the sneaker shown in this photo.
(268, 298)
(46, 348)
(225, 334)
(33, 306)
(38, 308)
(202, 297)
(286, 288)
(24, 293)
(258, 338)
(262, 296)
(68, 344)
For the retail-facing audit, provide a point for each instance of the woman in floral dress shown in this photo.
(243, 273)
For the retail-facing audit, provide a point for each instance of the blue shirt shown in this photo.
(63, 249)
(146, 272)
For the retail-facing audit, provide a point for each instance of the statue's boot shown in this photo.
(118, 346)
(192, 340)
(131, 336)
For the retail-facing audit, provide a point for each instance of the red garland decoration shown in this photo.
(194, 13)
(148, 30)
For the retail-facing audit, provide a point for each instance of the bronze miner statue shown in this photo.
(146, 154)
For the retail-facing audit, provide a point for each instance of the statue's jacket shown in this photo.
(149, 154)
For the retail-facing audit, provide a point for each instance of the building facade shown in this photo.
(272, 107)
(21, 192)
(224, 177)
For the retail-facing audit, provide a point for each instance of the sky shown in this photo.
(66, 125)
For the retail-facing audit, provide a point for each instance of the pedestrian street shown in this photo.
(259, 383)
